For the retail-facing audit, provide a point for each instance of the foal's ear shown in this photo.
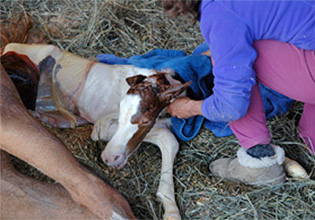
(133, 80)
(174, 90)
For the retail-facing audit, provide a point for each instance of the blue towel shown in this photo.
(197, 68)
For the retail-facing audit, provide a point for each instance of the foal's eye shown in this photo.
(145, 109)
(156, 90)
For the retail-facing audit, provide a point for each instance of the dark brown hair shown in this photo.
(20, 29)
(182, 7)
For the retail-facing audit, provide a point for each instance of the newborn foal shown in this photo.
(138, 121)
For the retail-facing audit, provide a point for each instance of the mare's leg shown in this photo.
(22, 197)
(24, 137)
(168, 144)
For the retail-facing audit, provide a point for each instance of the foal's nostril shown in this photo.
(117, 158)
(112, 159)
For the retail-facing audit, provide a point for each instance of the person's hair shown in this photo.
(182, 7)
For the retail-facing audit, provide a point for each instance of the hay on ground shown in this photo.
(126, 28)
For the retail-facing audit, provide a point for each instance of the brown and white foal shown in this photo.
(122, 101)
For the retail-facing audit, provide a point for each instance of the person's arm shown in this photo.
(230, 41)
(231, 95)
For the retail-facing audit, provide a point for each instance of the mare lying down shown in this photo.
(124, 102)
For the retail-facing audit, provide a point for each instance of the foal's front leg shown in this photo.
(105, 127)
(169, 146)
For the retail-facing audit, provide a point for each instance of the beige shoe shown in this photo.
(250, 170)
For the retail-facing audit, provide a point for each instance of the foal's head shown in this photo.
(145, 99)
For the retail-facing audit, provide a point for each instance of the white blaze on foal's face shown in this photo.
(145, 99)
(116, 152)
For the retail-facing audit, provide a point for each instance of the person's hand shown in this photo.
(185, 107)
(207, 53)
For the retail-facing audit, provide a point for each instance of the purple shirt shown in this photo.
(230, 27)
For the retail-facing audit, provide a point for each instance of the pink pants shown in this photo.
(289, 71)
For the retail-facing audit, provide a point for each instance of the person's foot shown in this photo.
(251, 170)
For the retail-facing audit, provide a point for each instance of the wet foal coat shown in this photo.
(122, 101)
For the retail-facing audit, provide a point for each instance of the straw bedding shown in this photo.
(126, 28)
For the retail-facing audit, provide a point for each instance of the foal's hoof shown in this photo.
(172, 216)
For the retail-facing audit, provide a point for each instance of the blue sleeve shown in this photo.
(230, 41)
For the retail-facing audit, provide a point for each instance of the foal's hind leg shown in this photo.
(57, 120)
(166, 141)
(24, 137)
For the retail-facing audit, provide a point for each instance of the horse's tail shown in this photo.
(20, 30)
